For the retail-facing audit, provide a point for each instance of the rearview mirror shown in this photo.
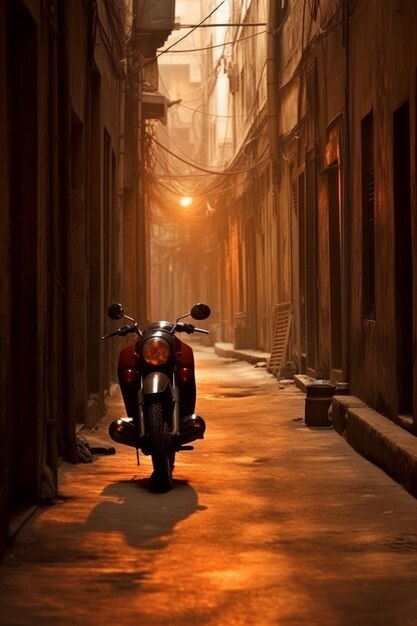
(200, 311)
(115, 311)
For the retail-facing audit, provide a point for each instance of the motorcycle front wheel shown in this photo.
(162, 454)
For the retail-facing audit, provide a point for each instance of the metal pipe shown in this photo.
(180, 26)
(276, 15)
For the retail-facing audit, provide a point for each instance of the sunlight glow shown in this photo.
(186, 201)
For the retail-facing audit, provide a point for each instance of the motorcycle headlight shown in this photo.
(155, 351)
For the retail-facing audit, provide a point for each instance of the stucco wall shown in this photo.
(383, 61)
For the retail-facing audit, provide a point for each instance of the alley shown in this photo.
(269, 522)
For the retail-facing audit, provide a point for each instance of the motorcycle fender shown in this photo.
(155, 383)
(158, 383)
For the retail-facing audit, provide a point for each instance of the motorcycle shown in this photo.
(156, 378)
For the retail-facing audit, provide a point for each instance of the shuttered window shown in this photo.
(368, 218)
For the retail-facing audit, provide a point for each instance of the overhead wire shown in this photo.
(213, 186)
(249, 141)
(218, 115)
(209, 191)
(217, 45)
(175, 43)
(253, 106)
(222, 172)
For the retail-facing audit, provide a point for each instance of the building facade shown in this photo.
(328, 226)
(350, 167)
(303, 171)
(71, 223)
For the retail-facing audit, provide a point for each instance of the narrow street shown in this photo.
(269, 523)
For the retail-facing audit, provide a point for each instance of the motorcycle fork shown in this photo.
(175, 411)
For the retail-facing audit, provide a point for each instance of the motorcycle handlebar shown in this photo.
(201, 330)
(123, 331)
(110, 335)
(180, 327)
(189, 328)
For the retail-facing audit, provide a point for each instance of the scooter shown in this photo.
(156, 378)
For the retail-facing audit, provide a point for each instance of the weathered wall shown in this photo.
(5, 295)
(372, 57)
(310, 97)
(48, 232)
(382, 76)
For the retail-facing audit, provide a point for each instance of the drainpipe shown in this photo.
(121, 176)
(277, 12)
(122, 131)
(141, 290)
(272, 88)
(346, 218)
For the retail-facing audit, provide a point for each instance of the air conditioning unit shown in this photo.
(154, 16)
(154, 106)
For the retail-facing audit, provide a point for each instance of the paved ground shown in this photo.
(269, 523)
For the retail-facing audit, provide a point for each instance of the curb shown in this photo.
(374, 436)
(227, 350)
(378, 439)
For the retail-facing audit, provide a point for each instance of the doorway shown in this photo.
(23, 157)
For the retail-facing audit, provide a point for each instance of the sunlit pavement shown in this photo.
(269, 522)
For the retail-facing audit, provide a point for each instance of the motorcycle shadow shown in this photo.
(141, 515)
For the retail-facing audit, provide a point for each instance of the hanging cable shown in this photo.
(218, 45)
(224, 172)
(179, 40)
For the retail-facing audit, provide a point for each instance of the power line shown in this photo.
(179, 40)
(180, 26)
(218, 45)
(223, 172)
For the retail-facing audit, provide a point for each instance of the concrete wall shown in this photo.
(248, 220)
(5, 296)
(382, 78)
(59, 113)
(307, 242)
(371, 57)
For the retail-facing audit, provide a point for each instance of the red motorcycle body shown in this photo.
(129, 375)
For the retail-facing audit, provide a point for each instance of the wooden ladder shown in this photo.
(281, 332)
